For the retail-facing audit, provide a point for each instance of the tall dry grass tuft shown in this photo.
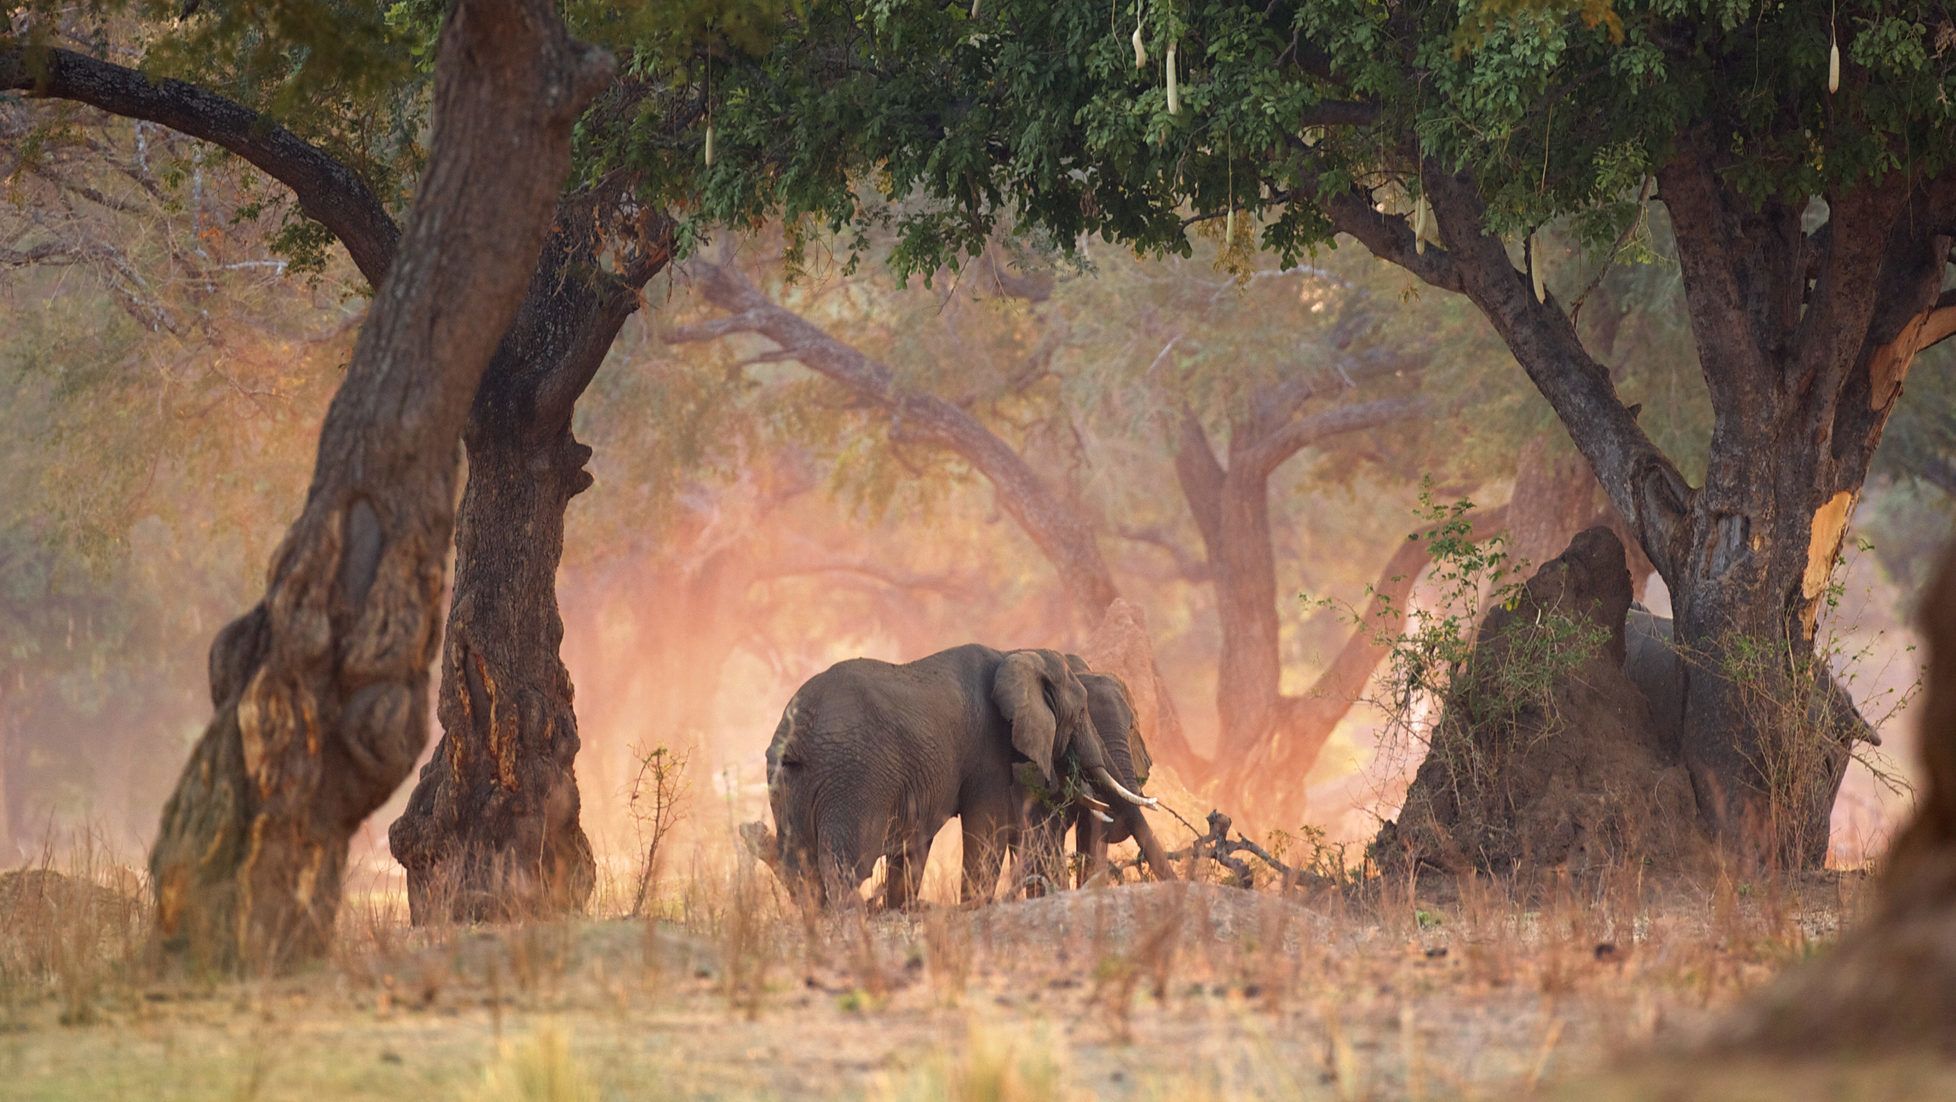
(995, 1063)
(536, 1068)
(748, 943)
(948, 952)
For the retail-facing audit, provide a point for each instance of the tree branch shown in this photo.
(328, 191)
(1270, 452)
(1188, 566)
(1939, 325)
(1201, 475)
(1387, 236)
(1642, 482)
(1318, 710)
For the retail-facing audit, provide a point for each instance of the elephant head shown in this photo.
(1042, 696)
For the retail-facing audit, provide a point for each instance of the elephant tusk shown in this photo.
(1102, 816)
(1093, 803)
(1104, 777)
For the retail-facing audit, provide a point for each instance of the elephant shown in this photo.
(871, 759)
(1654, 664)
(1111, 708)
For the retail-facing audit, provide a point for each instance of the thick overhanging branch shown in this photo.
(328, 191)
(1642, 482)
(1386, 236)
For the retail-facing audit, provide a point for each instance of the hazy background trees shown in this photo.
(753, 520)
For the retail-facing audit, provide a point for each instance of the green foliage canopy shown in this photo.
(1034, 113)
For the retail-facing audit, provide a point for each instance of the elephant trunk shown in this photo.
(1151, 850)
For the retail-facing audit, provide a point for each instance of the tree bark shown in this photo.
(7, 839)
(491, 832)
(320, 689)
(1802, 384)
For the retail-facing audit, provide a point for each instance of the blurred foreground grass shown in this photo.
(1164, 991)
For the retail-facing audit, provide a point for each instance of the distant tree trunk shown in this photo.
(1804, 340)
(1556, 495)
(491, 832)
(320, 688)
(1269, 740)
(1068, 541)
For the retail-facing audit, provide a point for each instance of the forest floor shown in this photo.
(1156, 991)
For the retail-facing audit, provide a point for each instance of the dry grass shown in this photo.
(1474, 989)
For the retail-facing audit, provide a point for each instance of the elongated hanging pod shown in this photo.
(1834, 66)
(709, 145)
(1422, 212)
(1140, 48)
(1535, 270)
(1174, 88)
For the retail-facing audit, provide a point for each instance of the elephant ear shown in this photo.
(1019, 690)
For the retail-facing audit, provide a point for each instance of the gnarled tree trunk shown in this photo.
(1800, 394)
(1804, 339)
(491, 831)
(320, 689)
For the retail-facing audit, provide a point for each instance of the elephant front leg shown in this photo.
(987, 835)
(1090, 842)
(1041, 848)
(903, 873)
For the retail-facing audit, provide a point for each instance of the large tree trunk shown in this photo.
(491, 832)
(1802, 383)
(1804, 339)
(320, 689)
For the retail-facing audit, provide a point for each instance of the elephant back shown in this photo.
(904, 710)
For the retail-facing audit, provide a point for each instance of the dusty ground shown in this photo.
(1141, 992)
